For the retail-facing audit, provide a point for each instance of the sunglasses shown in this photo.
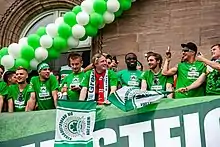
(185, 49)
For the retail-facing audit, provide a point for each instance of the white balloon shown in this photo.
(51, 29)
(14, 49)
(59, 21)
(41, 54)
(46, 41)
(87, 6)
(34, 63)
(7, 61)
(72, 42)
(82, 18)
(102, 26)
(78, 31)
(23, 41)
(108, 17)
(113, 6)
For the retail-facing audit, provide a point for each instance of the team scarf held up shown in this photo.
(103, 91)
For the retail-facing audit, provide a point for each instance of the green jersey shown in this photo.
(43, 90)
(187, 73)
(156, 82)
(73, 79)
(19, 98)
(213, 81)
(129, 78)
(3, 89)
(112, 79)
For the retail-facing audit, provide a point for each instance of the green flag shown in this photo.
(74, 124)
(130, 98)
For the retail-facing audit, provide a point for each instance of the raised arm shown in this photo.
(31, 102)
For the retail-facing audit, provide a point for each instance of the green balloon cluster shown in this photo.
(48, 42)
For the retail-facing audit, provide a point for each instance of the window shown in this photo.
(49, 17)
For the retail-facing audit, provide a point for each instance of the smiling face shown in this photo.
(187, 54)
(76, 64)
(131, 61)
(101, 64)
(152, 62)
(215, 51)
(21, 76)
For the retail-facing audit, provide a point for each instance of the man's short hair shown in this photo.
(22, 68)
(157, 57)
(2, 67)
(96, 57)
(218, 45)
(130, 54)
(7, 75)
(73, 56)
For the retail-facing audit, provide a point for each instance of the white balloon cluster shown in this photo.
(79, 30)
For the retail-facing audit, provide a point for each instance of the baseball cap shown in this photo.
(42, 66)
(190, 45)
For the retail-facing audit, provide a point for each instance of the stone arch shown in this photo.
(21, 11)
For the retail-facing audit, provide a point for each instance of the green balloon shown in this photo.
(27, 53)
(90, 30)
(53, 54)
(21, 62)
(77, 9)
(83, 38)
(41, 31)
(4, 51)
(59, 43)
(96, 19)
(34, 40)
(64, 30)
(100, 6)
(118, 13)
(70, 18)
(125, 4)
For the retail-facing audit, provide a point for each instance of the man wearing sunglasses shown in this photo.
(130, 76)
(188, 71)
(153, 79)
(212, 75)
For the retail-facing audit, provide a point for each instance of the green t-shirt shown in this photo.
(129, 78)
(3, 89)
(73, 80)
(187, 73)
(112, 79)
(213, 81)
(43, 90)
(156, 82)
(19, 99)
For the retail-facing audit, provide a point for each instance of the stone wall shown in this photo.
(153, 25)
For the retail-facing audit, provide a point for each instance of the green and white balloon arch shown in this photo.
(65, 33)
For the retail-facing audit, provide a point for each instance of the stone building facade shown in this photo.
(150, 25)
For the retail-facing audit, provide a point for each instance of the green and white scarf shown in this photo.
(92, 80)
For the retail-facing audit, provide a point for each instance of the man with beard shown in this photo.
(74, 79)
(45, 87)
(153, 79)
(187, 71)
(130, 76)
(18, 93)
(3, 88)
(98, 82)
(212, 75)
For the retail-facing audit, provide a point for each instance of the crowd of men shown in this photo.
(193, 76)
